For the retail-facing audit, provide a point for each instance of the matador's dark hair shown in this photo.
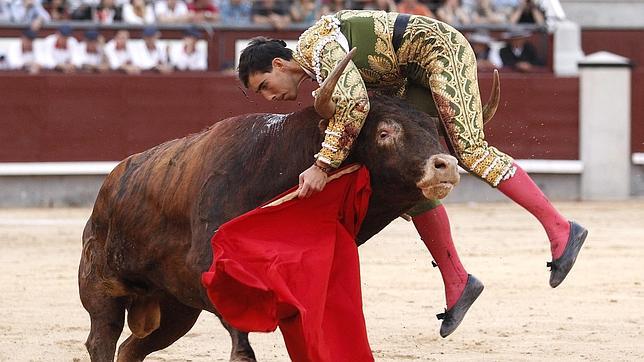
(258, 56)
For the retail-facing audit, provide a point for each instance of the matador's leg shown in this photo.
(440, 58)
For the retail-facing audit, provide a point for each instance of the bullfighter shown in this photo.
(412, 57)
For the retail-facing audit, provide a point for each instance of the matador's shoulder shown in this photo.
(312, 41)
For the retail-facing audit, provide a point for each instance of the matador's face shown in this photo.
(277, 85)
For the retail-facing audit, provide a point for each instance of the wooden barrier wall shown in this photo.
(89, 117)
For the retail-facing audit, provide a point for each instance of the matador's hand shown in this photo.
(312, 180)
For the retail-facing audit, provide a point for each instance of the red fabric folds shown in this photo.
(296, 266)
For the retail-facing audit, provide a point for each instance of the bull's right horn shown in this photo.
(493, 102)
(324, 105)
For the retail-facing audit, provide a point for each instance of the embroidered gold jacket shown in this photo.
(374, 65)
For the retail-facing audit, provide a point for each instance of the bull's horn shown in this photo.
(493, 102)
(324, 104)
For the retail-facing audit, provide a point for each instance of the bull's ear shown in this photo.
(324, 104)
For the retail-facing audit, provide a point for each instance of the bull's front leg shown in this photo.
(242, 351)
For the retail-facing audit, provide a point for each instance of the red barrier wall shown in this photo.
(85, 117)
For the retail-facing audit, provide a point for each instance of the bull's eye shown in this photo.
(388, 133)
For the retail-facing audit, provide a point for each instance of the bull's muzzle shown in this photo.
(440, 175)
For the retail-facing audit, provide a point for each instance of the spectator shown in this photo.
(90, 55)
(138, 12)
(203, 10)
(452, 13)
(305, 11)
(433, 5)
(29, 12)
(4, 63)
(58, 10)
(332, 6)
(485, 60)
(505, 7)
(414, 7)
(21, 56)
(235, 12)
(518, 53)
(384, 5)
(484, 13)
(82, 9)
(171, 11)
(153, 55)
(468, 5)
(528, 13)
(5, 10)
(187, 55)
(271, 12)
(118, 52)
(107, 13)
(57, 50)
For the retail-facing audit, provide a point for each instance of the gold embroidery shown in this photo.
(433, 54)
(379, 64)
(440, 58)
(369, 75)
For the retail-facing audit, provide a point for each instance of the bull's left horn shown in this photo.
(493, 103)
(324, 104)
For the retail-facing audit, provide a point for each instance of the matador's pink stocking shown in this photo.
(434, 229)
(522, 190)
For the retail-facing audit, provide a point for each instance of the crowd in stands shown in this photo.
(276, 13)
(62, 52)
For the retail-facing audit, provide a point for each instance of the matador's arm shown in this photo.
(352, 106)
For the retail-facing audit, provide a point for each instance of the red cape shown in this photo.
(296, 266)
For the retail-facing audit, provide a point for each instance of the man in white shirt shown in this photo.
(119, 53)
(187, 55)
(152, 55)
(171, 11)
(138, 12)
(505, 7)
(57, 49)
(29, 12)
(21, 55)
(4, 64)
(5, 10)
(90, 55)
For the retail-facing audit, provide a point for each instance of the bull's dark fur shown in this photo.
(148, 239)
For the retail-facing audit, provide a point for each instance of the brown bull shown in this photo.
(147, 241)
(148, 238)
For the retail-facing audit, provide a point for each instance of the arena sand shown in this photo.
(596, 314)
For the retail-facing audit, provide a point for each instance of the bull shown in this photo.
(147, 241)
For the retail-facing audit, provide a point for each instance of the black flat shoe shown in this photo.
(454, 316)
(559, 268)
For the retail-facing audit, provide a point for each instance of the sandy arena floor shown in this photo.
(596, 314)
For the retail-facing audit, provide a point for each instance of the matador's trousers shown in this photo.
(438, 58)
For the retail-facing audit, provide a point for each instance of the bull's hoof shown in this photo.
(243, 356)
(242, 359)
(453, 317)
(560, 267)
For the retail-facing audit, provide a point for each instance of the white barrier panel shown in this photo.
(56, 168)
(605, 121)
(105, 167)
